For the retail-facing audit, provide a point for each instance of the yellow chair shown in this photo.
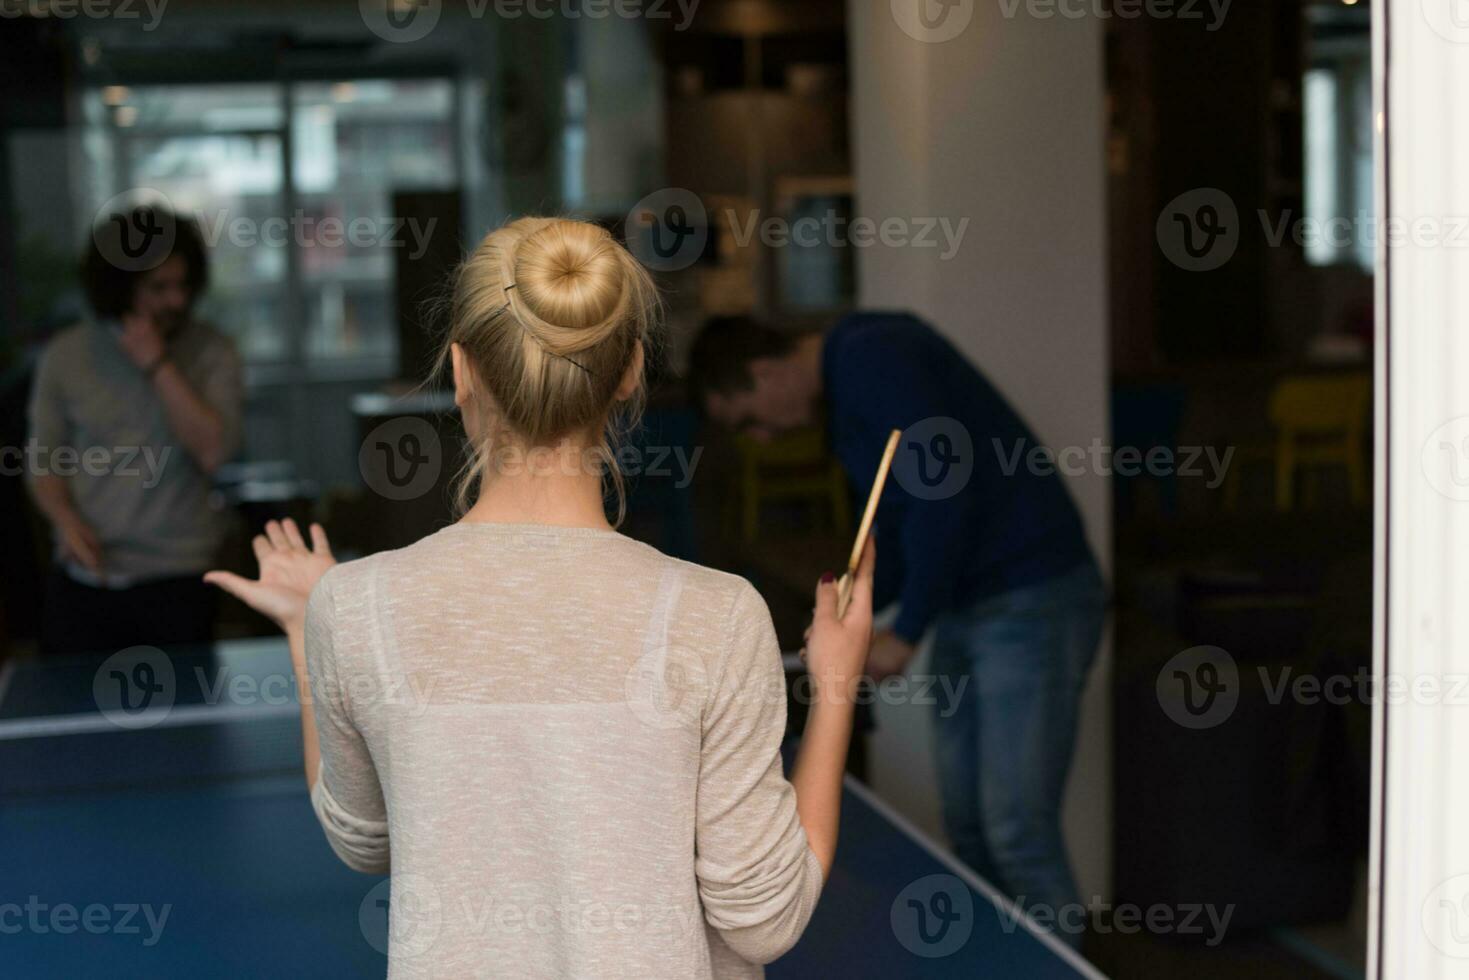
(793, 466)
(1319, 421)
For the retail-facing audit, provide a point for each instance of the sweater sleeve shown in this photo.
(935, 537)
(758, 877)
(46, 413)
(347, 795)
(222, 386)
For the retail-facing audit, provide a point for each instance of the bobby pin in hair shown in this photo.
(532, 336)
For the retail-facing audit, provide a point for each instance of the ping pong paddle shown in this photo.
(844, 586)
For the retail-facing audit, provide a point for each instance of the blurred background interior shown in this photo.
(1060, 292)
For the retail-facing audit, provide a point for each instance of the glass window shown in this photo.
(217, 154)
(1337, 97)
(1322, 186)
(357, 143)
(214, 153)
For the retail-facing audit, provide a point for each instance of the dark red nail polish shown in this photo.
(827, 578)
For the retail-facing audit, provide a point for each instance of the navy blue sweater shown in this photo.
(956, 523)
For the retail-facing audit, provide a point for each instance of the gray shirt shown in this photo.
(565, 746)
(96, 420)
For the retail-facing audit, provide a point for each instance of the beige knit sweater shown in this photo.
(565, 746)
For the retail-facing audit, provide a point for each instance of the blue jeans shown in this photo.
(1004, 744)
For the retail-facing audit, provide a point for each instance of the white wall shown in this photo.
(1003, 125)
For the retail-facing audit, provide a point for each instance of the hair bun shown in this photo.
(570, 276)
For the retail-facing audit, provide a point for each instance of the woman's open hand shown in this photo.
(288, 572)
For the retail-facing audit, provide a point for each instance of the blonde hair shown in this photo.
(549, 313)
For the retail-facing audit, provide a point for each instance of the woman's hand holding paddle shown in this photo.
(836, 651)
(837, 642)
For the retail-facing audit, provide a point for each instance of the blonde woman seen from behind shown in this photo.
(563, 745)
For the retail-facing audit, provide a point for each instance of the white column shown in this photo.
(1420, 864)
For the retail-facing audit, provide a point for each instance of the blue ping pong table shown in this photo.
(172, 837)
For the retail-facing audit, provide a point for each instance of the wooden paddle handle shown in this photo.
(844, 587)
(844, 594)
